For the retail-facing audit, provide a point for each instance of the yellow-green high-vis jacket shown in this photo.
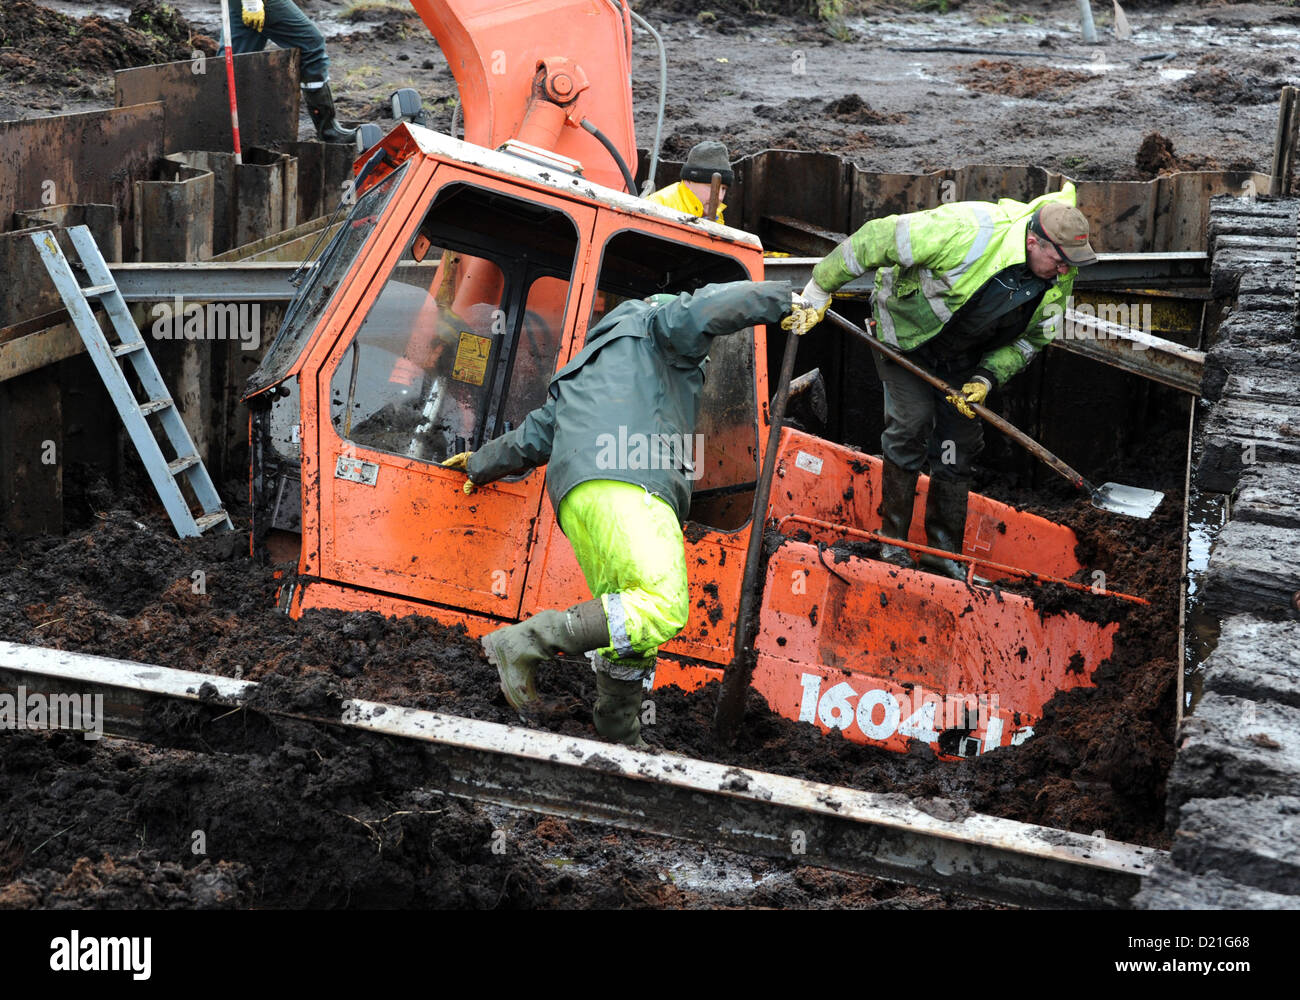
(929, 264)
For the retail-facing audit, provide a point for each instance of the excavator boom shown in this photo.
(494, 50)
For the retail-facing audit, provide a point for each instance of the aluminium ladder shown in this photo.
(166, 475)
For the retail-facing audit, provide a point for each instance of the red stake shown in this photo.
(230, 80)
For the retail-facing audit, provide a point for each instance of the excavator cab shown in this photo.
(460, 282)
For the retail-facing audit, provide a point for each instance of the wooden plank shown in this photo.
(1256, 659)
(1168, 887)
(1269, 493)
(1235, 747)
(1251, 841)
(1253, 569)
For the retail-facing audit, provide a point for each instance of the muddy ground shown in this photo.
(761, 80)
(316, 819)
(112, 824)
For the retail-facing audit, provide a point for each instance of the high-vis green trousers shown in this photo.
(631, 551)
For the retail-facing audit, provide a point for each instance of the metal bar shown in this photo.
(267, 281)
(661, 793)
(224, 282)
(1134, 351)
(1184, 269)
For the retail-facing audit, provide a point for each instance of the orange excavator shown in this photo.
(466, 273)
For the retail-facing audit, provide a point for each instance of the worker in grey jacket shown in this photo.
(613, 435)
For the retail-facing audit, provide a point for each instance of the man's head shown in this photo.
(703, 161)
(1057, 240)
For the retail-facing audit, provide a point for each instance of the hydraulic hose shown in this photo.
(663, 91)
(628, 179)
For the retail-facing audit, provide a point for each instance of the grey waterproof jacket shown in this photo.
(638, 381)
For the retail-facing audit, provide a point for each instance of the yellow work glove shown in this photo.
(975, 391)
(459, 462)
(807, 309)
(254, 14)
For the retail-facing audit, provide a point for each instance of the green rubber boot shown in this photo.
(945, 524)
(618, 710)
(517, 649)
(897, 498)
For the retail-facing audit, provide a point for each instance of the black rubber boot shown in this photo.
(898, 497)
(517, 649)
(320, 105)
(618, 710)
(945, 524)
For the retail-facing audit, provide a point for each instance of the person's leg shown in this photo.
(630, 547)
(289, 27)
(242, 38)
(909, 419)
(956, 442)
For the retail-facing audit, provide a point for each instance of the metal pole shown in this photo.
(230, 80)
(735, 680)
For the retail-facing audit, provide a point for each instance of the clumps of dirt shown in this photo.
(38, 45)
(1214, 85)
(850, 109)
(1040, 83)
(853, 109)
(141, 880)
(1156, 157)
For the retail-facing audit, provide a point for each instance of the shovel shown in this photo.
(1113, 497)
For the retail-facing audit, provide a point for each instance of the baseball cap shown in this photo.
(1067, 230)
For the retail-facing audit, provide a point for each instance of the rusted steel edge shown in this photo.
(885, 836)
(919, 549)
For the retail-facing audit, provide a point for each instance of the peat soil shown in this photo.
(311, 817)
(1203, 77)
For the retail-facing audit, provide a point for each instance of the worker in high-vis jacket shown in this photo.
(637, 380)
(692, 192)
(970, 291)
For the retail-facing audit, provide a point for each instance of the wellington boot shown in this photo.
(618, 710)
(517, 649)
(320, 105)
(945, 524)
(898, 497)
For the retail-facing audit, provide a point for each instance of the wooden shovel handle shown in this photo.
(1010, 430)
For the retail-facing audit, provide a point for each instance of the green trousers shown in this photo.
(631, 551)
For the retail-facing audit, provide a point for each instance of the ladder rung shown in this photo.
(120, 349)
(176, 467)
(97, 291)
(210, 520)
(154, 405)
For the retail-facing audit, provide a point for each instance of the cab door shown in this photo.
(455, 348)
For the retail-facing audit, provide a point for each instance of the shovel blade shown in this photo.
(1126, 499)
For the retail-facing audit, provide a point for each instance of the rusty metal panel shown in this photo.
(198, 103)
(101, 220)
(31, 454)
(26, 291)
(222, 168)
(78, 159)
(991, 181)
(811, 187)
(266, 195)
(173, 217)
(874, 195)
(323, 170)
(1183, 203)
(1122, 215)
